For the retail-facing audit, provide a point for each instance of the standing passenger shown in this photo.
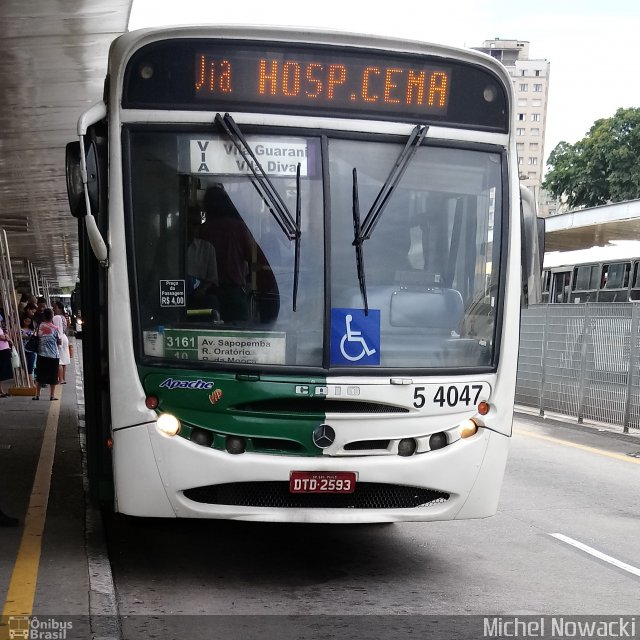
(60, 320)
(202, 267)
(27, 330)
(41, 306)
(24, 300)
(48, 355)
(225, 229)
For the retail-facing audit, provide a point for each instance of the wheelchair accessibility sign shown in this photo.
(355, 337)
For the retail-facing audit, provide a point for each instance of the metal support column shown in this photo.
(586, 337)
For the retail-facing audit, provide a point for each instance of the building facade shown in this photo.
(531, 85)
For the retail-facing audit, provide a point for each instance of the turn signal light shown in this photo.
(483, 408)
(468, 428)
(151, 402)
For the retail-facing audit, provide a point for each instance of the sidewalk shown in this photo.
(549, 418)
(62, 586)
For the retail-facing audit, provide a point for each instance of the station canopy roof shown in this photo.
(594, 227)
(53, 61)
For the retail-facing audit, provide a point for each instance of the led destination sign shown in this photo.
(328, 81)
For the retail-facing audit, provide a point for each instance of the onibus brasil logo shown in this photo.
(34, 628)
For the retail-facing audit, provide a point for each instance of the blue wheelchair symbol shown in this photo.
(355, 337)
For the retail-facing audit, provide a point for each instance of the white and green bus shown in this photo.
(302, 296)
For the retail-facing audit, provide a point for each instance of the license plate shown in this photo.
(322, 482)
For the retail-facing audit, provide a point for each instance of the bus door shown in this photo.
(560, 287)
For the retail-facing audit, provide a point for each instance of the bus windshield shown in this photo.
(215, 269)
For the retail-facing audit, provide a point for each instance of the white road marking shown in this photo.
(597, 554)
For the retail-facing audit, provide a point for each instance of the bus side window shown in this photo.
(615, 282)
(604, 277)
(634, 293)
(615, 275)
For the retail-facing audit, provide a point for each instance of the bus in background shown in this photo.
(302, 276)
(600, 274)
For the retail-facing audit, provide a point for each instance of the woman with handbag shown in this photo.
(30, 343)
(49, 342)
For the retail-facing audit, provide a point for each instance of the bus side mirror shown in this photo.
(532, 241)
(542, 223)
(75, 190)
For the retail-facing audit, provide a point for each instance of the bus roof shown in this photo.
(614, 252)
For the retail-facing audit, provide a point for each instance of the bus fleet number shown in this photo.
(452, 396)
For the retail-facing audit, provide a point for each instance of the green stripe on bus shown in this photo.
(274, 414)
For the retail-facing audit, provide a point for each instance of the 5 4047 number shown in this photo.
(451, 395)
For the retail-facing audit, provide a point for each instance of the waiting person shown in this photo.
(48, 355)
(6, 370)
(26, 331)
(30, 310)
(24, 301)
(40, 307)
(62, 324)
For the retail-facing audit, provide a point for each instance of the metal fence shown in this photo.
(582, 360)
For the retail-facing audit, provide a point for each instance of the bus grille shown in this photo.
(368, 495)
(367, 445)
(317, 405)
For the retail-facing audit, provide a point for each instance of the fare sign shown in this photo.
(172, 293)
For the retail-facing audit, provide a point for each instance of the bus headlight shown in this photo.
(168, 425)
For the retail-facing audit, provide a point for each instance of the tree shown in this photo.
(602, 167)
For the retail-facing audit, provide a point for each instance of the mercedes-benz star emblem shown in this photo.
(324, 436)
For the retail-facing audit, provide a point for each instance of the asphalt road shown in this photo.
(565, 486)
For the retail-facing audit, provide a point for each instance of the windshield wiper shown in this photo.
(358, 239)
(296, 260)
(362, 232)
(415, 140)
(268, 193)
